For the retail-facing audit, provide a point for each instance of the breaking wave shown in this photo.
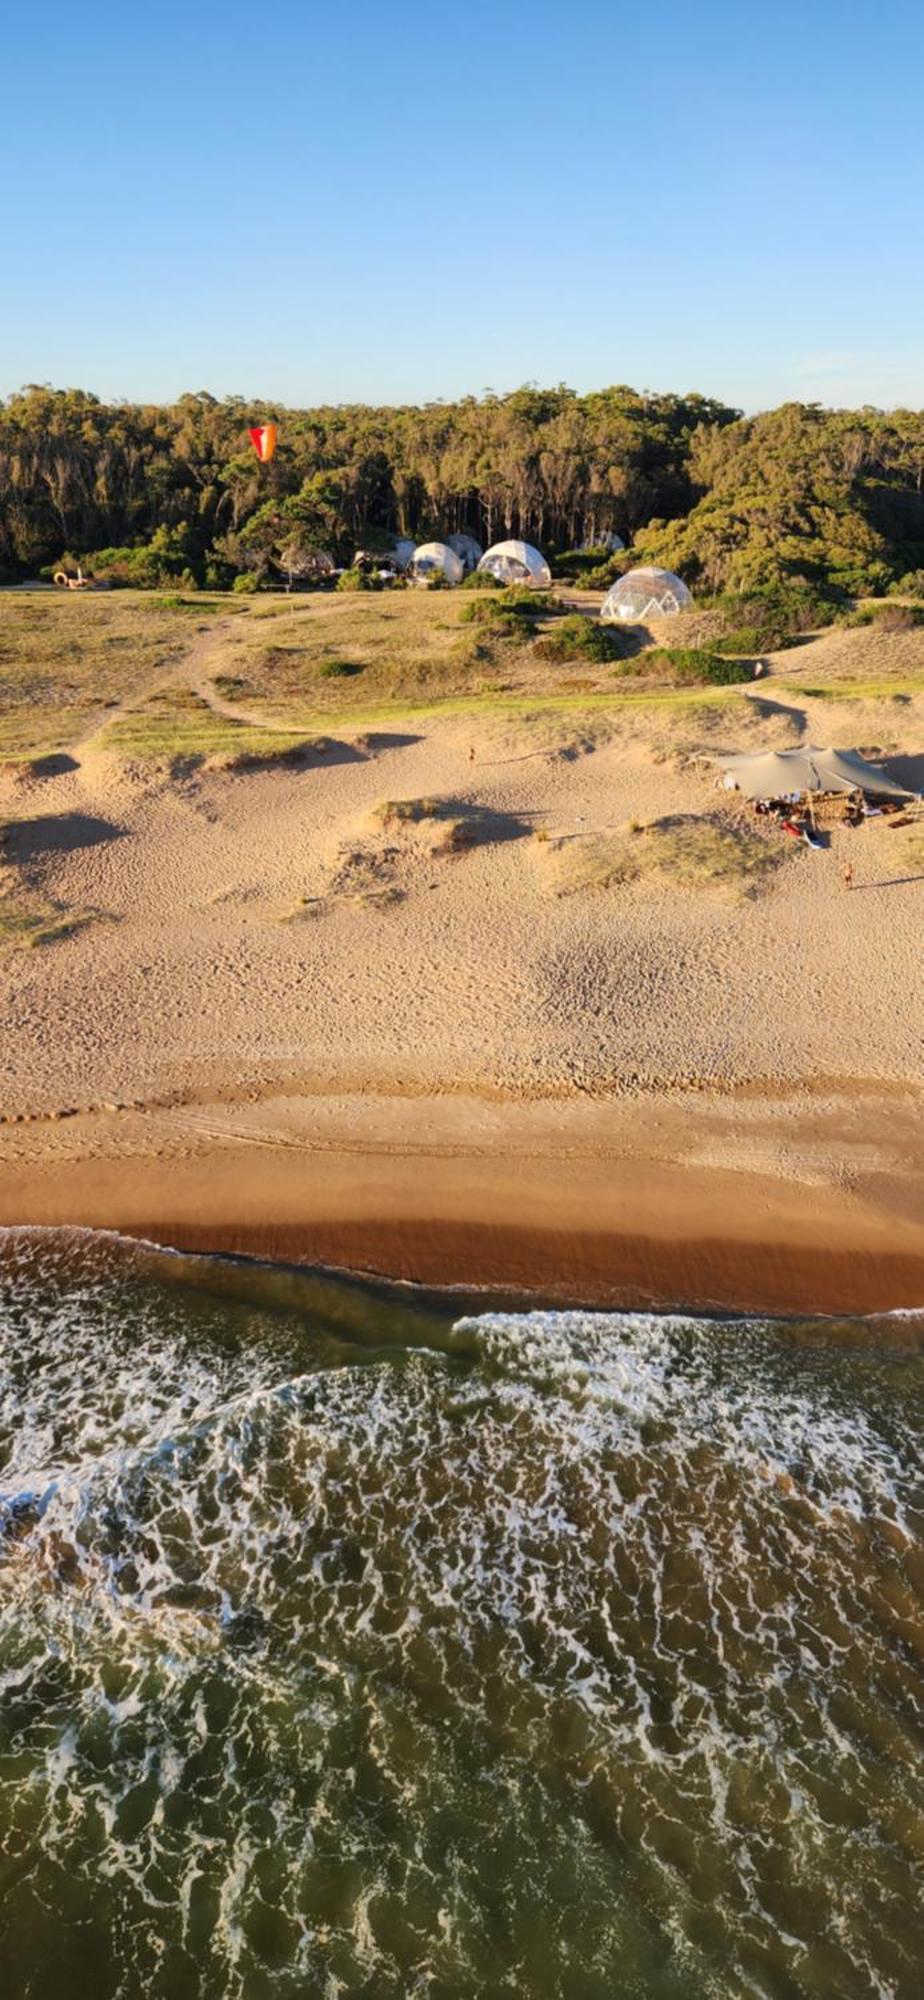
(350, 1648)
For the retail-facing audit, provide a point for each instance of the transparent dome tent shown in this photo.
(436, 559)
(466, 548)
(645, 593)
(516, 562)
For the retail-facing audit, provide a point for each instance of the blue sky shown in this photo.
(307, 203)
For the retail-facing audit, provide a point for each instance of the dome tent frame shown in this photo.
(436, 559)
(516, 562)
(645, 593)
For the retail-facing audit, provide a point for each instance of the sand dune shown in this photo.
(307, 930)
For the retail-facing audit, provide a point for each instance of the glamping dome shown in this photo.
(516, 562)
(644, 593)
(436, 559)
(379, 556)
(467, 549)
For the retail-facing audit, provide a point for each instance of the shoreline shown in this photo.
(590, 1203)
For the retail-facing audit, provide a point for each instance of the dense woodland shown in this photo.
(151, 494)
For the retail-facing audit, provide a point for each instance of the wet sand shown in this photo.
(658, 1205)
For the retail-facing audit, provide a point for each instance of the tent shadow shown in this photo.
(908, 771)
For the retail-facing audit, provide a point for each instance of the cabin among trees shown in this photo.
(150, 494)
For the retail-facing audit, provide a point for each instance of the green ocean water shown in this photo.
(357, 1643)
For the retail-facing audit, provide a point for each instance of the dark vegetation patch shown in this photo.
(579, 638)
(685, 666)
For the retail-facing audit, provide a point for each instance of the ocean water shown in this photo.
(355, 1643)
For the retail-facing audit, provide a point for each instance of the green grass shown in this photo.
(65, 661)
(66, 658)
(178, 724)
(841, 690)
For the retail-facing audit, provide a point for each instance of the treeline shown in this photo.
(80, 476)
(150, 494)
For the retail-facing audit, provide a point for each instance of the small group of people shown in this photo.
(795, 818)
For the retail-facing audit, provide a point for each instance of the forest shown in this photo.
(151, 495)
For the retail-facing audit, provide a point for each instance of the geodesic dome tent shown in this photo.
(645, 593)
(467, 549)
(397, 556)
(516, 562)
(436, 559)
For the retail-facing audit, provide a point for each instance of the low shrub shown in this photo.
(481, 579)
(764, 621)
(578, 638)
(692, 666)
(887, 617)
(246, 584)
(357, 579)
(511, 614)
(331, 670)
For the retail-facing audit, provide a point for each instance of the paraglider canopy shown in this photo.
(516, 562)
(466, 547)
(645, 593)
(263, 439)
(436, 558)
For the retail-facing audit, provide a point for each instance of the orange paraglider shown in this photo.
(263, 439)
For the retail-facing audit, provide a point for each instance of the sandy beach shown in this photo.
(291, 1022)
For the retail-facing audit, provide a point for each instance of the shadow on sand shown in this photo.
(57, 833)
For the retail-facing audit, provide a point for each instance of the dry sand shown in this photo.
(293, 1026)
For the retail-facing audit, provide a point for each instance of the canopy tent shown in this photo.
(775, 774)
(516, 562)
(466, 548)
(645, 593)
(436, 559)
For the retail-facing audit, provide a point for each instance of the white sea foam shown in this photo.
(566, 1655)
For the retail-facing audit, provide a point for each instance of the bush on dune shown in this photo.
(686, 666)
(579, 638)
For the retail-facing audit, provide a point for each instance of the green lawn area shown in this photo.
(149, 675)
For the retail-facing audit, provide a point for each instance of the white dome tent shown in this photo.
(436, 559)
(645, 593)
(516, 562)
(466, 548)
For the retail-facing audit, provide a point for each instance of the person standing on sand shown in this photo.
(848, 875)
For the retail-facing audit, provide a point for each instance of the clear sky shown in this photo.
(379, 203)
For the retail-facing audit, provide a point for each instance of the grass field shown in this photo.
(238, 681)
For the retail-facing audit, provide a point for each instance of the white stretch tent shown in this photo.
(775, 774)
(467, 549)
(645, 593)
(516, 562)
(436, 559)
